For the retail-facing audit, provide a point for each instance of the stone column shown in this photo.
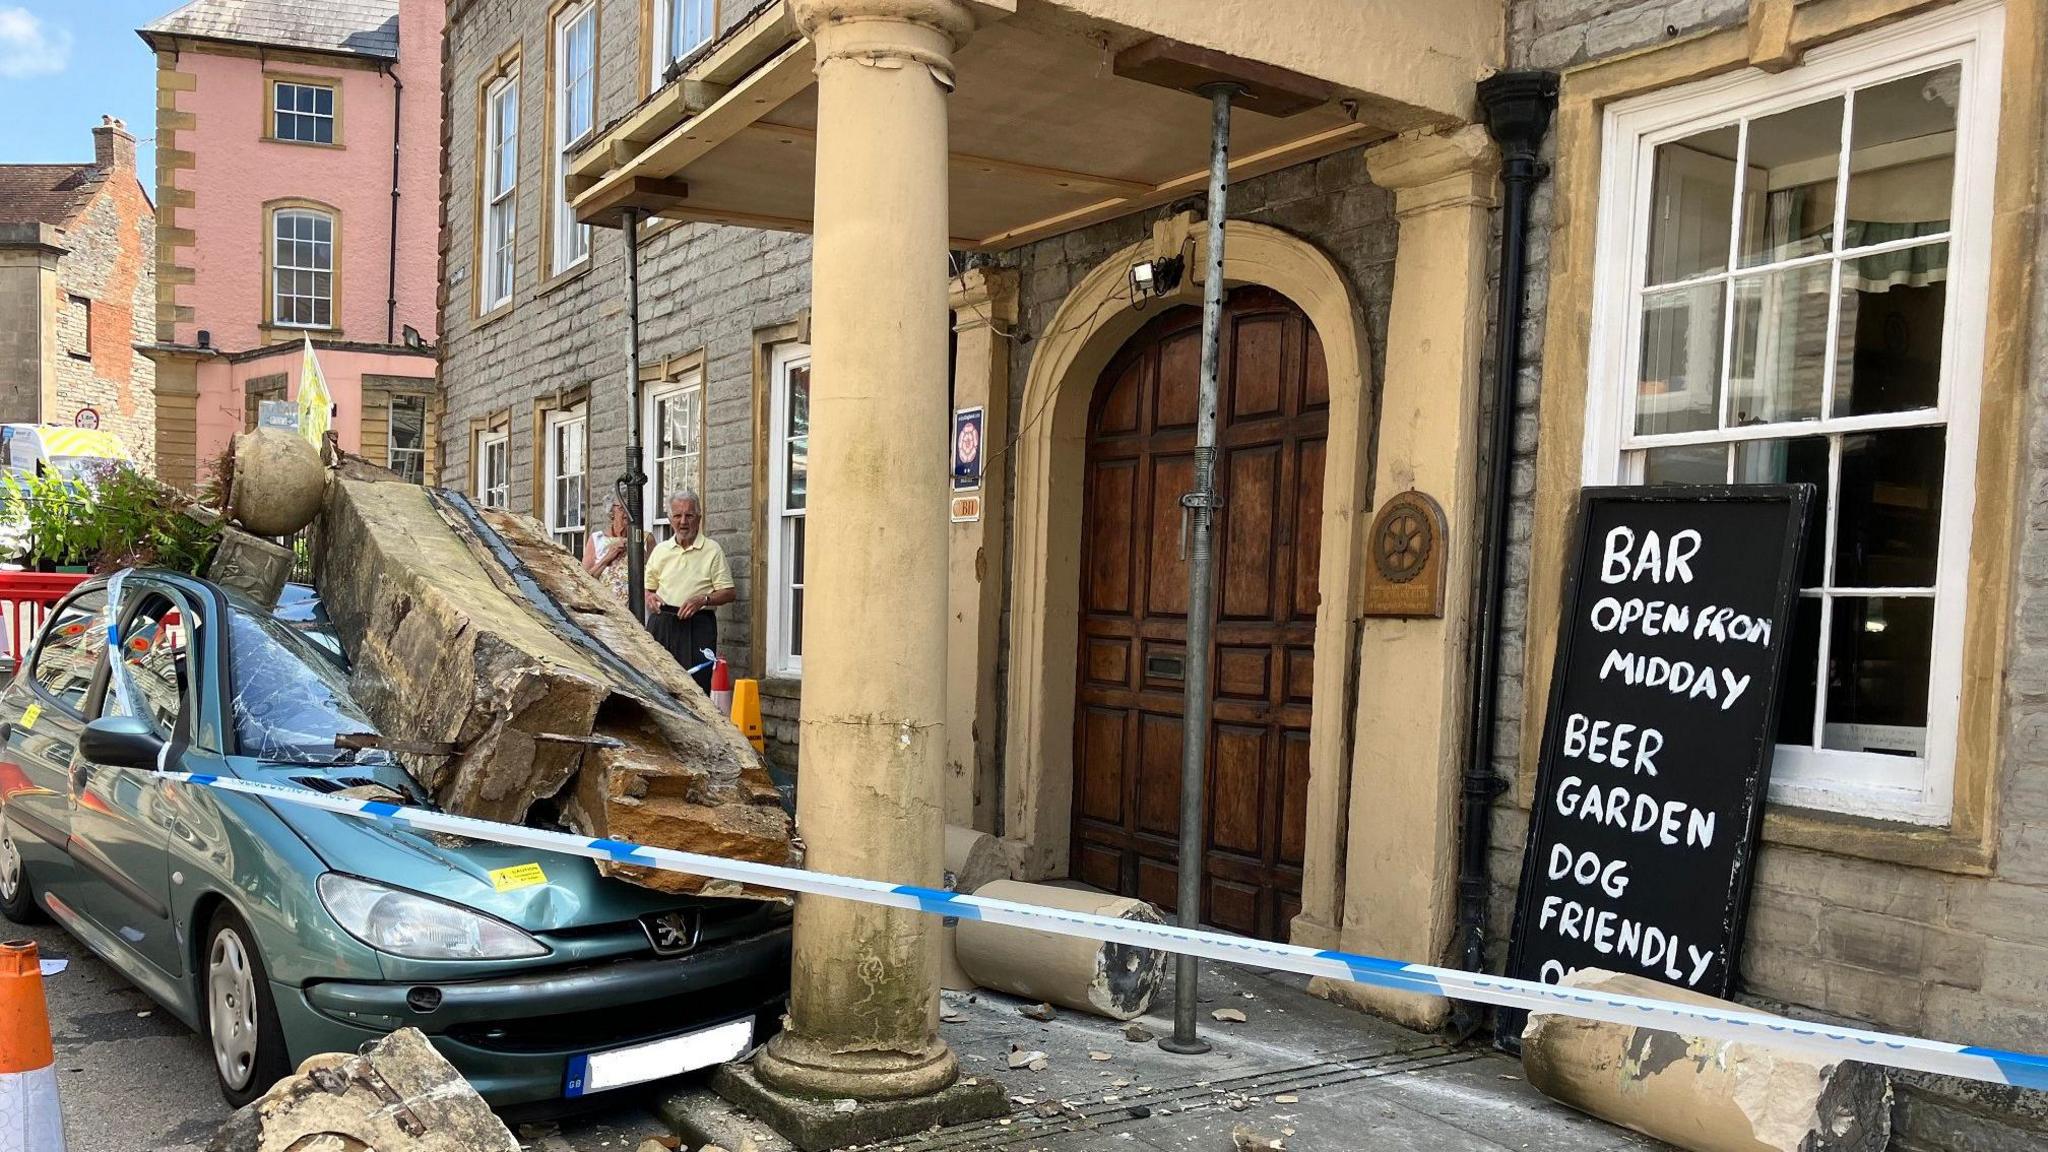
(984, 315)
(863, 1019)
(1400, 890)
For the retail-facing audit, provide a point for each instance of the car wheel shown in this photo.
(17, 895)
(241, 1017)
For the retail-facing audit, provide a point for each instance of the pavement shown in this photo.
(1298, 1070)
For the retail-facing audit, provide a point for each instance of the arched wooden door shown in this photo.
(1272, 429)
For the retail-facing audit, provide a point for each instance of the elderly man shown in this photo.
(687, 579)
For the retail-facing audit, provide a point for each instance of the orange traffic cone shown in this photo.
(721, 687)
(30, 1118)
(746, 712)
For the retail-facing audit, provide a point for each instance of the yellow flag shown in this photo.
(316, 403)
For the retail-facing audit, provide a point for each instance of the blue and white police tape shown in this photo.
(1991, 1065)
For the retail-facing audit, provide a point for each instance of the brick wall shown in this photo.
(703, 288)
(1928, 952)
(112, 263)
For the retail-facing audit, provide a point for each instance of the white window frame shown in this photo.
(392, 451)
(278, 267)
(782, 519)
(501, 195)
(558, 527)
(277, 89)
(571, 244)
(687, 390)
(1912, 789)
(697, 16)
(490, 494)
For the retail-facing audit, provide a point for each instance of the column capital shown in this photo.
(1436, 170)
(885, 29)
(984, 297)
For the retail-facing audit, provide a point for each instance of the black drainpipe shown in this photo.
(1517, 109)
(391, 298)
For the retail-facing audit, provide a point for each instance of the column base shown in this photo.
(815, 1124)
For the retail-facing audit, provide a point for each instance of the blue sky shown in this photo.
(64, 63)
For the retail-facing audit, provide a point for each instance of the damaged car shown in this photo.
(279, 931)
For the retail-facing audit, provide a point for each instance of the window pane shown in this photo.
(1902, 154)
(1889, 525)
(1801, 461)
(408, 422)
(1691, 193)
(1802, 674)
(1781, 353)
(1788, 198)
(1686, 464)
(1678, 387)
(323, 101)
(323, 131)
(1879, 650)
(1891, 331)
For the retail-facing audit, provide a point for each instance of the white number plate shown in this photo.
(600, 1071)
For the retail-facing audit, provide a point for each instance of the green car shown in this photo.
(279, 931)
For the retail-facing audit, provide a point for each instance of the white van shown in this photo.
(57, 450)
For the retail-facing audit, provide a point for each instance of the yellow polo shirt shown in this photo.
(676, 573)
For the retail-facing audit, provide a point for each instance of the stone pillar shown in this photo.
(1400, 890)
(863, 1019)
(984, 315)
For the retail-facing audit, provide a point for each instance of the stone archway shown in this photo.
(1093, 322)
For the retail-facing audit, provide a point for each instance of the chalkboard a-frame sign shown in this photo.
(1657, 748)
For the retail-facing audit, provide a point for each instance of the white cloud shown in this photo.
(28, 48)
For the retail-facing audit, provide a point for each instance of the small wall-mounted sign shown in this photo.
(282, 414)
(1404, 576)
(967, 451)
(966, 509)
(88, 417)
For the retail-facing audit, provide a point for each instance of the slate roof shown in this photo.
(353, 27)
(46, 193)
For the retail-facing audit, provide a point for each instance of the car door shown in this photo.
(44, 714)
(120, 822)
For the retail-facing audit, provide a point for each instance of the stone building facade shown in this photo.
(1935, 925)
(1361, 263)
(715, 303)
(77, 289)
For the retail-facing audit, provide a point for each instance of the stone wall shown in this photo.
(112, 263)
(21, 331)
(704, 290)
(1933, 953)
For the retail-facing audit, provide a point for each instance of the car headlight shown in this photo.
(420, 927)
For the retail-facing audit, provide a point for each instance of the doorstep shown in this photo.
(1308, 1073)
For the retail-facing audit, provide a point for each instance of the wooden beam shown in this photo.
(1242, 167)
(1036, 173)
(648, 194)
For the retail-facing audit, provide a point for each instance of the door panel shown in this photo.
(1133, 661)
(120, 831)
(48, 712)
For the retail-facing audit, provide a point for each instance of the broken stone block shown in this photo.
(1102, 977)
(397, 1095)
(1700, 1094)
(474, 632)
(251, 565)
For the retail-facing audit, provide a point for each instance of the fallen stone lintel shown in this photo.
(816, 1125)
(1699, 1094)
(448, 648)
(397, 1095)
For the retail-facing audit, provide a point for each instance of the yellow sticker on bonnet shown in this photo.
(30, 715)
(518, 876)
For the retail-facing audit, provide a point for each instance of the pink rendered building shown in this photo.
(298, 170)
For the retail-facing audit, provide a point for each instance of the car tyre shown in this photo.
(17, 893)
(241, 1017)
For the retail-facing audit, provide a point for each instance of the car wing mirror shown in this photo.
(123, 741)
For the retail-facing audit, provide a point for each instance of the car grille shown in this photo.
(629, 1023)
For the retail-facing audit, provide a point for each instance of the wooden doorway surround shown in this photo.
(1091, 325)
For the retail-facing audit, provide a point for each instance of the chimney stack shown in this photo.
(113, 148)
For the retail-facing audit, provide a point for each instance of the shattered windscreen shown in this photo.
(291, 700)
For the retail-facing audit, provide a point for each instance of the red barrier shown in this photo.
(25, 599)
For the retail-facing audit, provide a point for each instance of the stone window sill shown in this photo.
(564, 278)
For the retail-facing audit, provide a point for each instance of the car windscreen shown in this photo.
(290, 699)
